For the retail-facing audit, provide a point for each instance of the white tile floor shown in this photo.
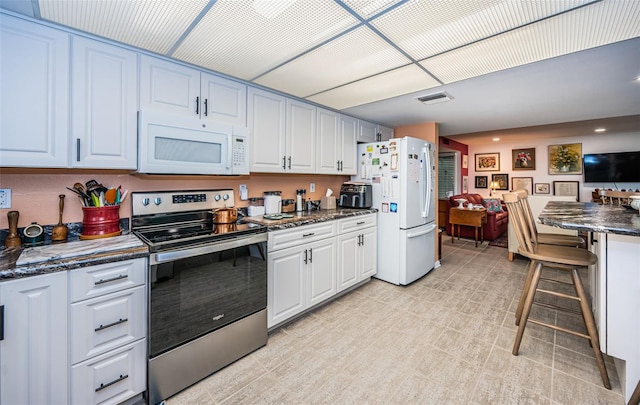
(445, 339)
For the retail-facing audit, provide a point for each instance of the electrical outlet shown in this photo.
(312, 187)
(5, 198)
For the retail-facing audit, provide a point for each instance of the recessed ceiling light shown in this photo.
(600, 129)
(496, 139)
(638, 79)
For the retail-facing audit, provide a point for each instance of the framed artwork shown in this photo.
(522, 183)
(502, 181)
(481, 182)
(487, 162)
(524, 159)
(465, 184)
(542, 188)
(465, 161)
(565, 158)
(570, 188)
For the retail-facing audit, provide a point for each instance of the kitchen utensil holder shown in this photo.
(100, 222)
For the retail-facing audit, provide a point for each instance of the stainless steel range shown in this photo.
(208, 286)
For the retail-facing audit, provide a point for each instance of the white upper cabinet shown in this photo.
(367, 131)
(34, 101)
(178, 89)
(301, 136)
(282, 133)
(266, 122)
(336, 140)
(103, 100)
(385, 133)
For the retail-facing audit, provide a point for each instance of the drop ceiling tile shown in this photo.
(424, 28)
(397, 82)
(369, 8)
(560, 35)
(150, 25)
(358, 54)
(244, 38)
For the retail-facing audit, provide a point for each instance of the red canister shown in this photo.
(100, 222)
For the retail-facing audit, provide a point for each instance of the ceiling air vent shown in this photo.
(435, 98)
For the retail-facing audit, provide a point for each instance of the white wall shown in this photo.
(623, 142)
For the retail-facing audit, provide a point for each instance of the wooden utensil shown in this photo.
(59, 232)
(13, 239)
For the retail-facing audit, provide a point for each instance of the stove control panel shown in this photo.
(164, 202)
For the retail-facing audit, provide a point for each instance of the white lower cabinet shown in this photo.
(107, 333)
(301, 270)
(310, 264)
(34, 364)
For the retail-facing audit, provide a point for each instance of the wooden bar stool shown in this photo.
(614, 197)
(558, 257)
(539, 238)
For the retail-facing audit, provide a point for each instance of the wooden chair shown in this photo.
(614, 197)
(558, 257)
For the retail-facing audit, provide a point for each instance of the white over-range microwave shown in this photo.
(183, 145)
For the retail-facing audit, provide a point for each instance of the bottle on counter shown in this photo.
(300, 199)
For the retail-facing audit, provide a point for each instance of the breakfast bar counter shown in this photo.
(614, 236)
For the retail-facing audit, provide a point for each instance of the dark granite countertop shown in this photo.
(592, 217)
(33, 261)
(308, 217)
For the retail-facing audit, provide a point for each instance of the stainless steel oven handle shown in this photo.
(163, 257)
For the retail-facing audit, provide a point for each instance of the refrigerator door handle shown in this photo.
(426, 181)
(429, 229)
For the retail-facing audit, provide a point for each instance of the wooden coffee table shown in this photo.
(476, 217)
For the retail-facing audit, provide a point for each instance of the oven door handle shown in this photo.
(163, 257)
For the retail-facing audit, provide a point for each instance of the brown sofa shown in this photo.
(497, 222)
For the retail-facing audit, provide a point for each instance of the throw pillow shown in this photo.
(492, 205)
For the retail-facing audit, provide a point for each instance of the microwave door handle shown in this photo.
(230, 152)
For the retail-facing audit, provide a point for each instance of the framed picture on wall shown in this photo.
(487, 162)
(542, 188)
(565, 158)
(522, 183)
(465, 161)
(501, 181)
(465, 184)
(481, 182)
(524, 159)
(570, 188)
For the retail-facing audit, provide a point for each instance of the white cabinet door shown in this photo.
(348, 272)
(33, 354)
(301, 136)
(169, 87)
(34, 101)
(367, 131)
(385, 133)
(223, 100)
(321, 270)
(368, 255)
(328, 141)
(349, 142)
(104, 99)
(266, 122)
(286, 284)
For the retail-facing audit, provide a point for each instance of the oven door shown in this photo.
(172, 144)
(198, 290)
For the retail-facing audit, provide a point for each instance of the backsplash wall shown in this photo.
(35, 191)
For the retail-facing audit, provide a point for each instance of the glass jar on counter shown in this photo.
(256, 206)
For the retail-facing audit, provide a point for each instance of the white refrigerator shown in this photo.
(402, 174)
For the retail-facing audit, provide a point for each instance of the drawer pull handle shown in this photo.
(308, 234)
(118, 322)
(108, 280)
(360, 223)
(117, 380)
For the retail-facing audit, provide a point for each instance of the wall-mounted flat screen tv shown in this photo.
(622, 167)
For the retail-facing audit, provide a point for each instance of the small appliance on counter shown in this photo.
(355, 195)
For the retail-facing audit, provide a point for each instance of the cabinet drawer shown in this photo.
(111, 378)
(98, 280)
(357, 222)
(299, 235)
(104, 323)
